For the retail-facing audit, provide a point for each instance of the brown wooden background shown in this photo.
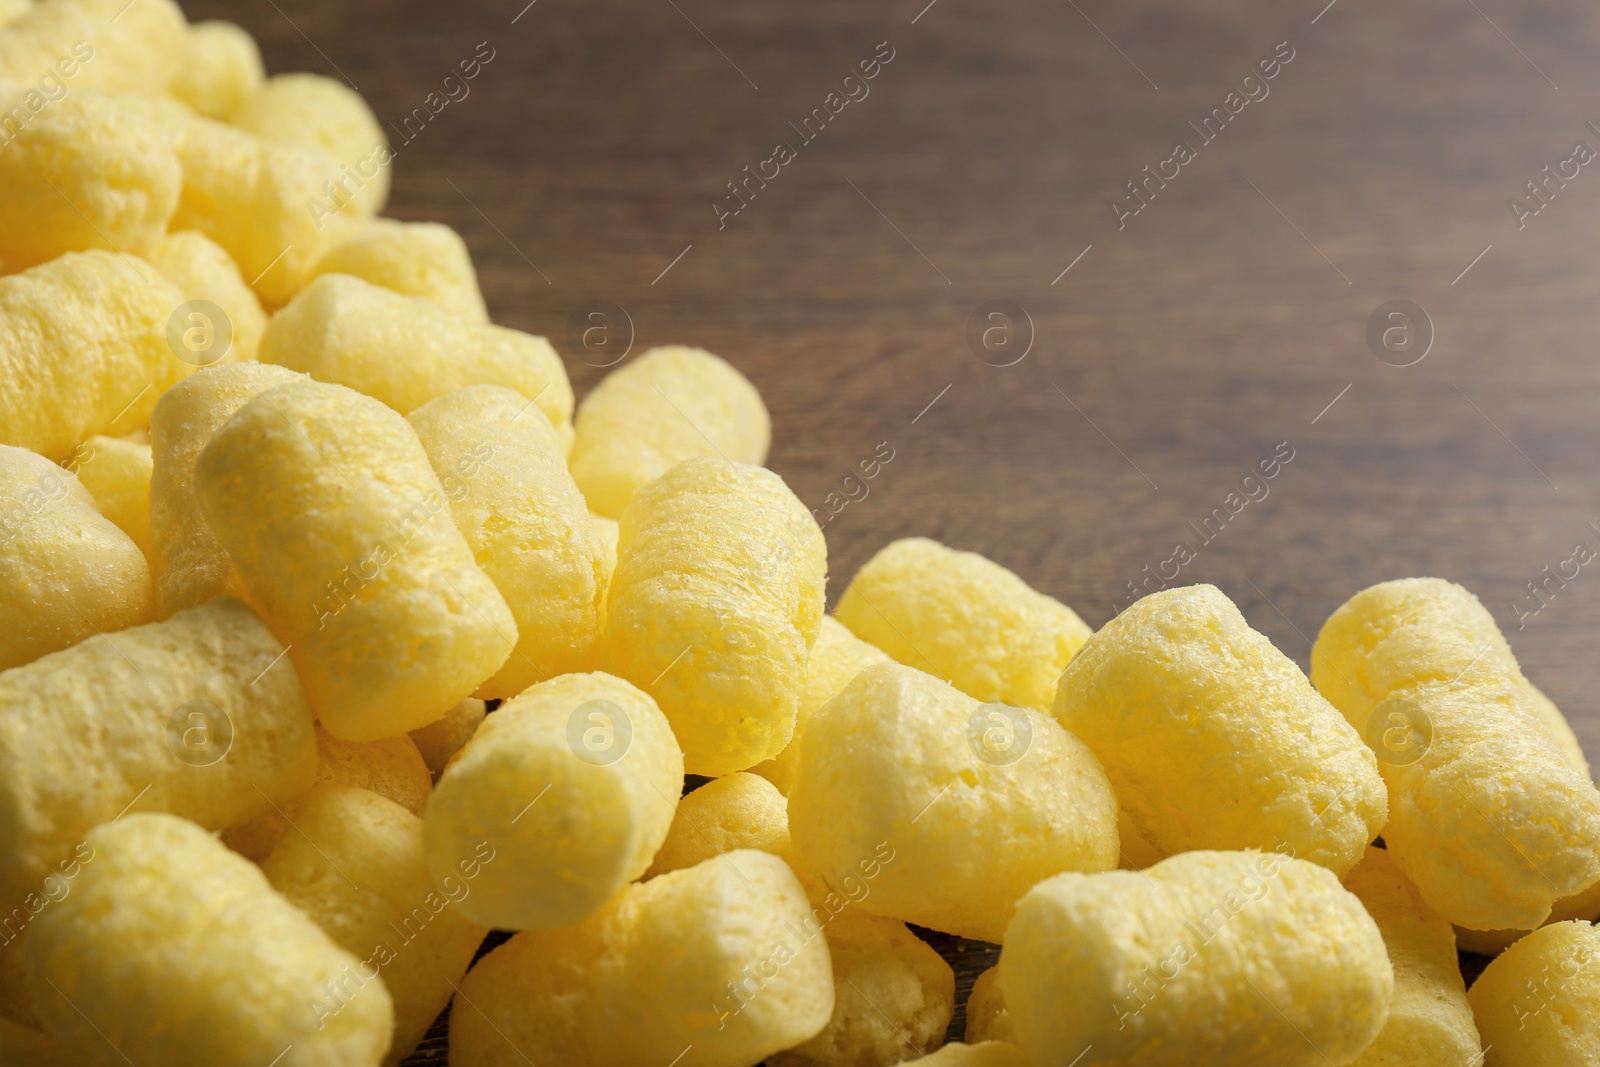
(1221, 321)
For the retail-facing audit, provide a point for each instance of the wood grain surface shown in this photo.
(1186, 343)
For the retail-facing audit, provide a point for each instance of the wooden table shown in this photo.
(1172, 349)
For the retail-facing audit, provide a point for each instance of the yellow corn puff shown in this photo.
(1538, 1003)
(341, 533)
(439, 741)
(836, 658)
(572, 785)
(708, 965)
(171, 951)
(318, 112)
(83, 173)
(1488, 815)
(1430, 1022)
(974, 803)
(668, 405)
(182, 716)
(191, 567)
(391, 768)
(426, 259)
(83, 350)
(357, 868)
(1585, 905)
(733, 812)
(960, 617)
(116, 471)
(987, 1017)
(405, 350)
(1215, 740)
(221, 69)
(982, 1054)
(203, 271)
(1207, 959)
(12, 10)
(94, 44)
(504, 470)
(715, 603)
(66, 571)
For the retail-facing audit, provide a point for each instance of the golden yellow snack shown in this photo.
(221, 69)
(116, 471)
(1215, 740)
(1207, 959)
(81, 174)
(319, 112)
(668, 405)
(438, 741)
(733, 812)
(987, 1017)
(29, 1048)
(982, 1054)
(151, 960)
(836, 658)
(1487, 814)
(893, 996)
(357, 869)
(709, 965)
(426, 259)
(66, 571)
(715, 603)
(572, 785)
(1430, 1022)
(406, 351)
(391, 768)
(974, 803)
(1538, 1003)
(504, 470)
(182, 716)
(116, 45)
(191, 567)
(963, 618)
(203, 271)
(83, 350)
(342, 535)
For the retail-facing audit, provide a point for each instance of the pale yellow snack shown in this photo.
(708, 965)
(982, 1054)
(714, 606)
(1487, 813)
(426, 259)
(1430, 1022)
(974, 803)
(116, 471)
(191, 567)
(987, 1017)
(607, 532)
(1585, 905)
(733, 812)
(182, 716)
(314, 111)
(836, 658)
(1538, 1003)
(963, 618)
(391, 768)
(438, 741)
(1214, 739)
(203, 271)
(24, 1047)
(83, 350)
(668, 405)
(66, 571)
(342, 535)
(151, 960)
(82, 173)
(116, 45)
(1207, 959)
(503, 468)
(357, 868)
(406, 351)
(12, 10)
(1561, 730)
(572, 785)
(221, 69)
